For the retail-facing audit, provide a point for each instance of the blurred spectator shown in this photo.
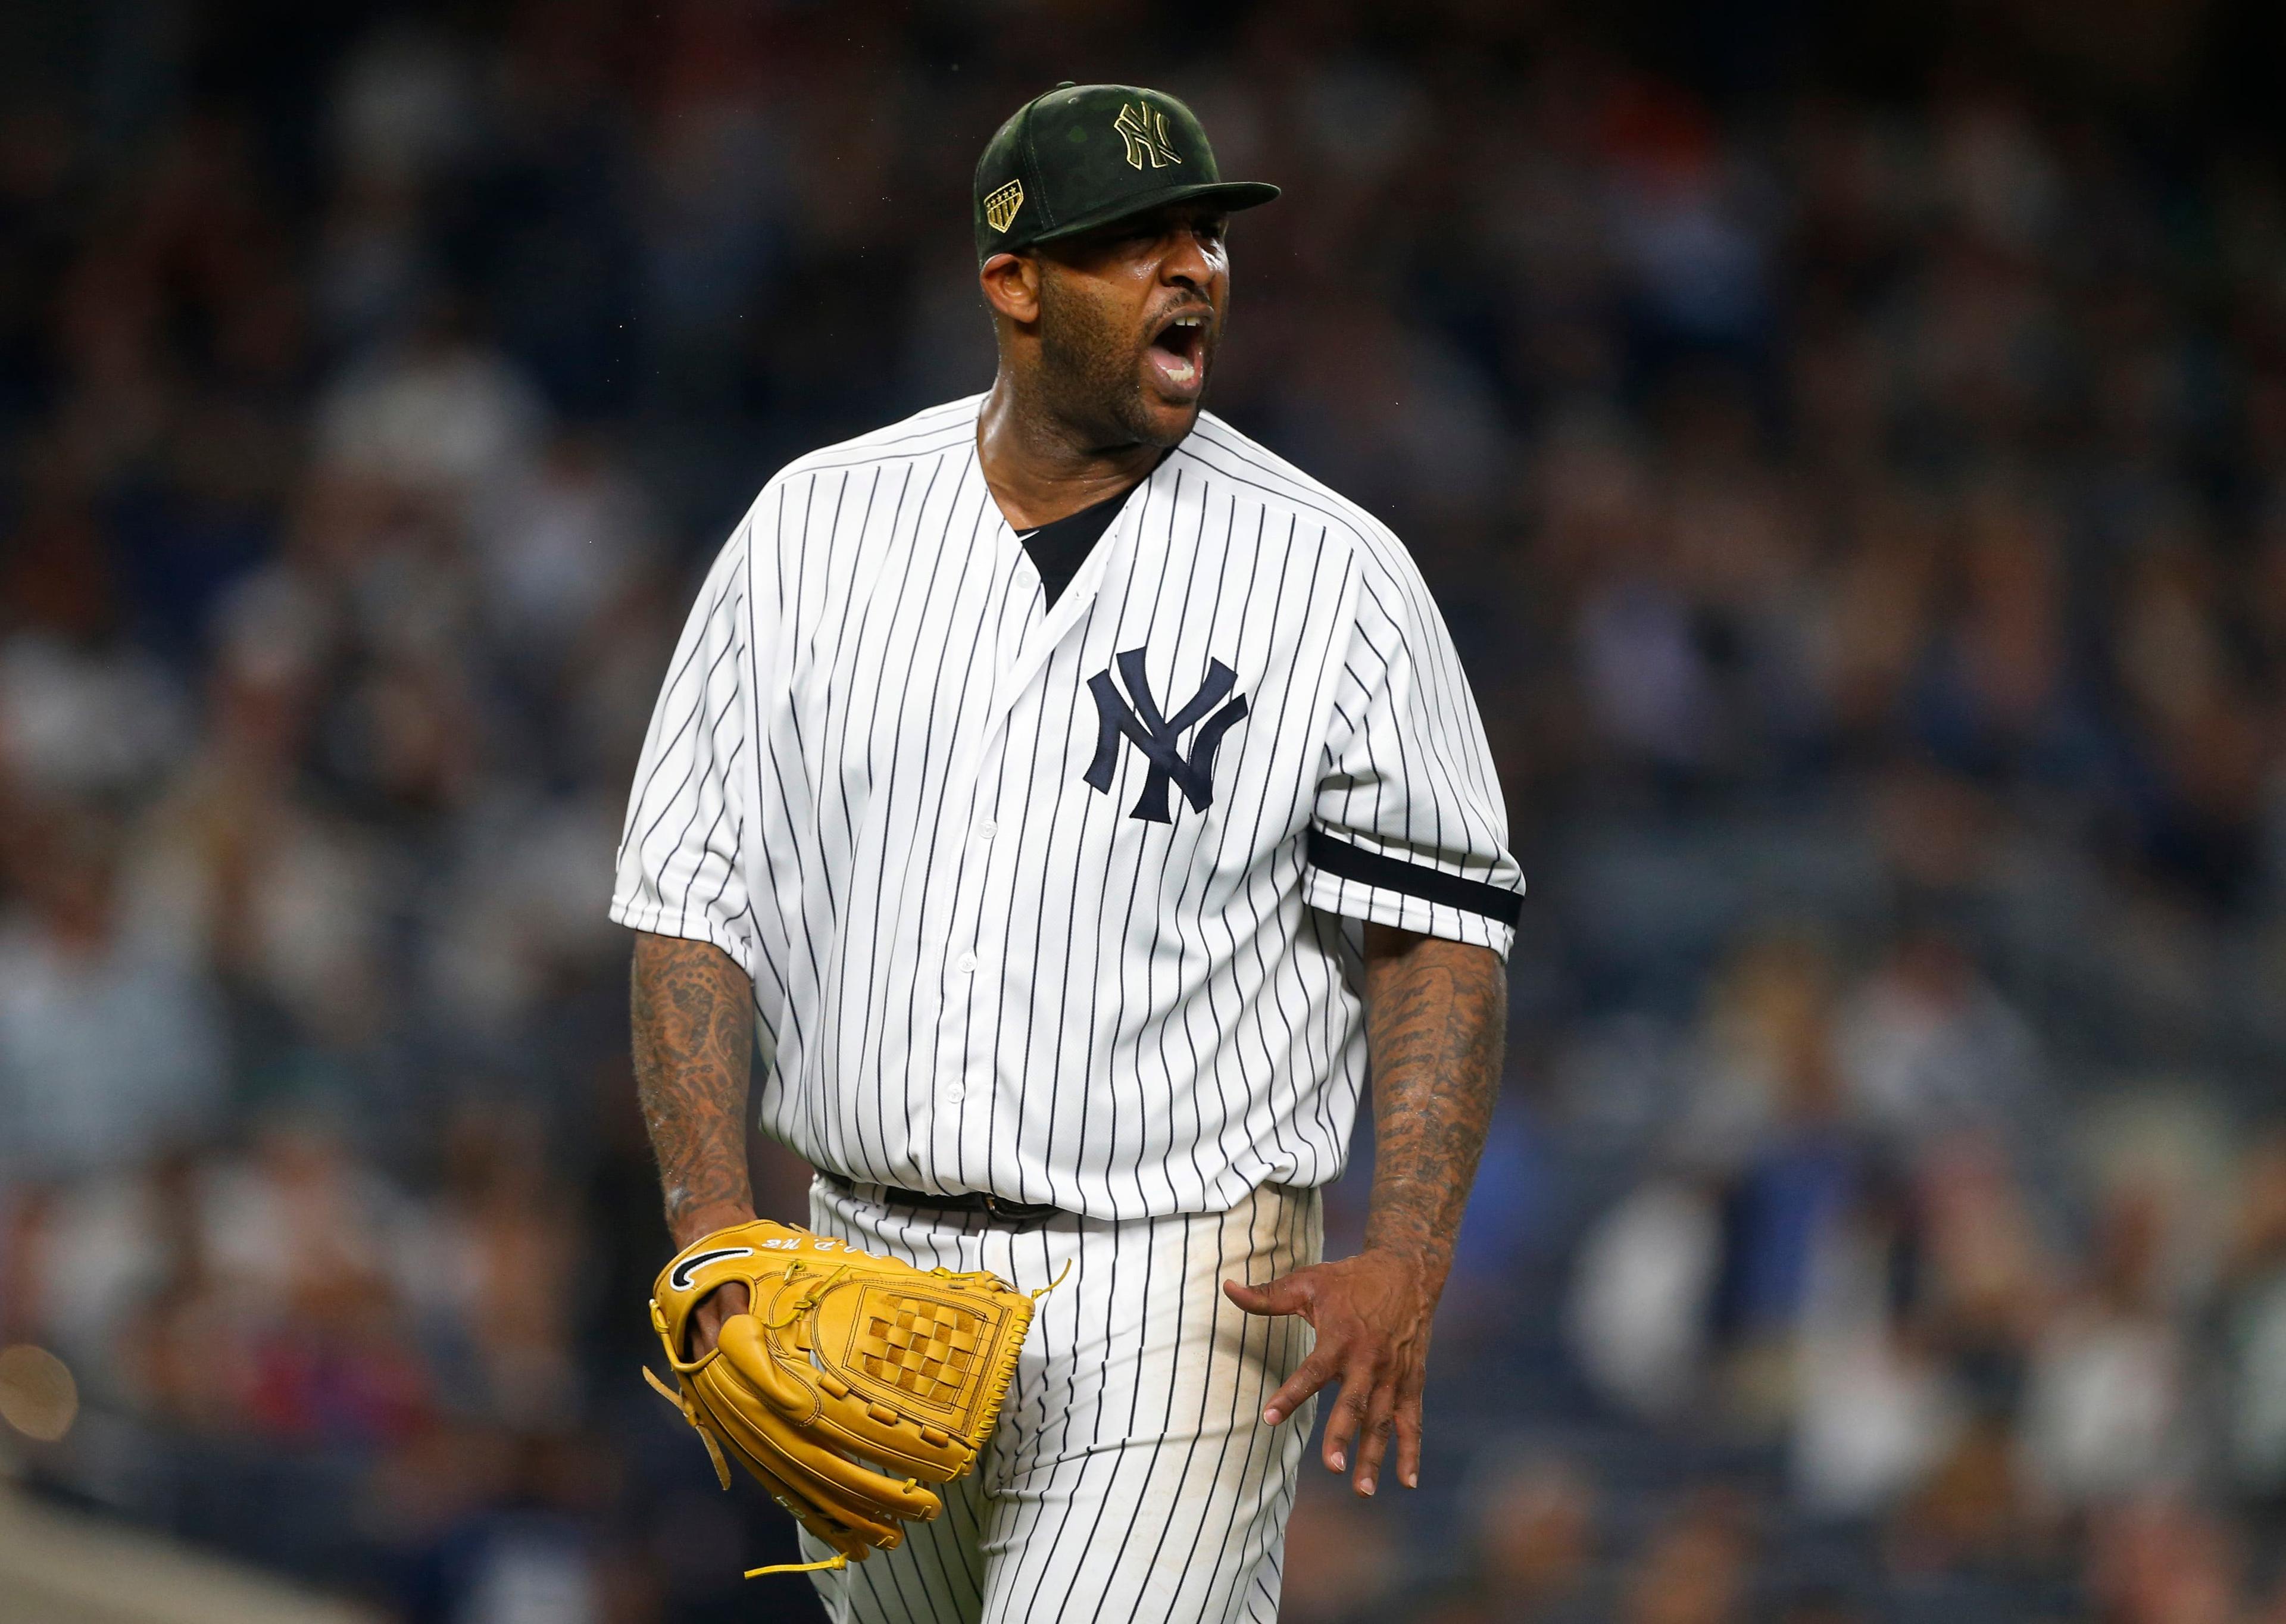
(1695, 1568)
(1640, 1304)
(1929, 1048)
(529, 1551)
(309, 1246)
(1536, 1544)
(2163, 1562)
(438, 414)
(237, 865)
(84, 712)
(497, 1265)
(1875, 1406)
(2107, 1403)
(1342, 1561)
(2255, 1326)
(109, 1050)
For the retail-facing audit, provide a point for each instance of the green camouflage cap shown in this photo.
(1083, 155)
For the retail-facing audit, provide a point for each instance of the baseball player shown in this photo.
(1068, 798)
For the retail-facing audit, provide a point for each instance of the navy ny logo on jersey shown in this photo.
(1160, 737)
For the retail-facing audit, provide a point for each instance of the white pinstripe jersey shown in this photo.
(1062, 902)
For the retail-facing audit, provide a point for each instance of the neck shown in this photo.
(1041, 468)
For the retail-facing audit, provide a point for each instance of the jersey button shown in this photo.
(965, 964)
(985, 830)
(955, 1091)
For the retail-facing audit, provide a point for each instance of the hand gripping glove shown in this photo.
(851, 1381)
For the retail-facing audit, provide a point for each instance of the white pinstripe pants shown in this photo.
(1130, 1479)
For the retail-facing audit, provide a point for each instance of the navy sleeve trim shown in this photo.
(1345, 860)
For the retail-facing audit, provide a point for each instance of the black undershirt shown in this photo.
(1060, 545)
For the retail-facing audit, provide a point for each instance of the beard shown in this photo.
(1091, 373)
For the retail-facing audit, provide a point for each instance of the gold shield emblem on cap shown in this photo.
(1145, 135)
(1000, 206)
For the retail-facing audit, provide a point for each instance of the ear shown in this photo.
(1012, 286)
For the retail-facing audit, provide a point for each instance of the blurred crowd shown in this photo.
(1864, 516)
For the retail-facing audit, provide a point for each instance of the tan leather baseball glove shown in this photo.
(848, 1369)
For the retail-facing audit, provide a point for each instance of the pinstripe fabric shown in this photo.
(1131, 1479)
(867, 780)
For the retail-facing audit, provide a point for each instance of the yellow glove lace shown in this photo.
(990, 1279)
(807, 1300)
(1061, 1274)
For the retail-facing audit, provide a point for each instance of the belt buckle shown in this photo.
(1024, 1216)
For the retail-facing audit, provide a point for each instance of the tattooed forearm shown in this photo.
(1436, 1012)
(693, 1016)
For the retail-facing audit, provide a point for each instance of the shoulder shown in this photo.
(926, 434)
(1225, 456)
(778, 508)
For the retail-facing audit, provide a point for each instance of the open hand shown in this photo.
(1372, 1314)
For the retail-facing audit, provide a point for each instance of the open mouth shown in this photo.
(1176, 353)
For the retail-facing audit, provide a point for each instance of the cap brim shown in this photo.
(1230, 194)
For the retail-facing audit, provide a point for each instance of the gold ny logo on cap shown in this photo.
(1000, 206)
(1145, 135)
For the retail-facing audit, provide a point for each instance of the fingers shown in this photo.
(1288, 1294)
(1372, 1443)
(727, 1299)
(1360, 1385)
(1314, 1372)
(1408, 1429)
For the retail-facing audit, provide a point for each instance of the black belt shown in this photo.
(1020, 1215)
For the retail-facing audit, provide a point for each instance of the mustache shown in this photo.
(1159, 320)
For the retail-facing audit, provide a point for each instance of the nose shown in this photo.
(1188, 262)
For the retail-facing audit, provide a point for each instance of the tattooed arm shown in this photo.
(692, 1011)
(1435, 1014)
